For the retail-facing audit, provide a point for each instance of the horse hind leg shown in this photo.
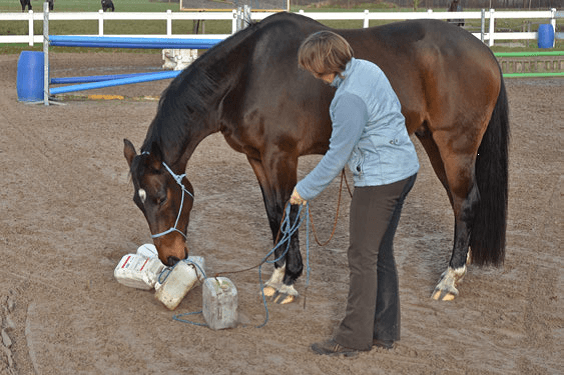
(464, 211)
(463, 207)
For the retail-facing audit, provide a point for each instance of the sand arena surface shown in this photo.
(68, 218)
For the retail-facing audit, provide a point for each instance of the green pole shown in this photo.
(529, 54)
(528, 75)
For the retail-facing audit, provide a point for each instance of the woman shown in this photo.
(368, 134)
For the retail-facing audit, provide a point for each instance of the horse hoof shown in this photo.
(269, 291)
(446, 288)
(283, 298)
(441, 295)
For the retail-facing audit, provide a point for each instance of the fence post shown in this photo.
(234, 21)
(100, 22)
(366, 21)
(483, 28)
(168, 22)
(492, 27)
(247, 16)
(553, 23)
(238, 18)
(30, 27)
(45, 53)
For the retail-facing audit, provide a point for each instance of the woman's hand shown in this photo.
(296, 199)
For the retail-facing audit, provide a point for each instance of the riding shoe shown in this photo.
(331, 348)
(385, 344)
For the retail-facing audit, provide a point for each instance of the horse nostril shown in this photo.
(172, 261)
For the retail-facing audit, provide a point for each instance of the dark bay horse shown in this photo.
(107, 5)
(26, 3)
(250, 89)
(455, 7)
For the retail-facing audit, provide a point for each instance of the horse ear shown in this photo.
(129, 151)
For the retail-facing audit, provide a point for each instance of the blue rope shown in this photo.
(168, 271)
(287, 229)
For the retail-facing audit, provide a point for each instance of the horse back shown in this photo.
(433, 67)
(438, 70)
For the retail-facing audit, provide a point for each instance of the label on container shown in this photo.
(138, 271)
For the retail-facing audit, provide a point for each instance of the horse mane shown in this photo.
(186, 103)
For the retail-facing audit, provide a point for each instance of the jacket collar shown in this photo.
(338, 80)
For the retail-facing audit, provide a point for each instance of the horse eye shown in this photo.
(161, 199)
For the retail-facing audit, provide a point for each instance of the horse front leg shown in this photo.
(276, 183)
(280, 287)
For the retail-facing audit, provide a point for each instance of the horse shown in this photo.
(455, 7)
(249, 88)
(25, 3)
(51, 4)
(107, 5)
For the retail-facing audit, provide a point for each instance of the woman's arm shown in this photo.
(349, 118)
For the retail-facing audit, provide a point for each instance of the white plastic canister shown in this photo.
(138, 271)
(220, 303)
(148, 250)
(184, 276)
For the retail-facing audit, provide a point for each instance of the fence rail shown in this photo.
(489, 16)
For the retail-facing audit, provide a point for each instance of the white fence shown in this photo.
(235, 17)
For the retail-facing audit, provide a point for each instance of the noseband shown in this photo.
(178, 178)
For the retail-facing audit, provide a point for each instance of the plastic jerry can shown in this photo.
(138, 271)
(184, 276)
(220, 303)
(148, 250)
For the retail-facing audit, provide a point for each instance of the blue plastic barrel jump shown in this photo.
(546, 36)
(30, 76)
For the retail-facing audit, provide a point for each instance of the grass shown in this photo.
(211, 27)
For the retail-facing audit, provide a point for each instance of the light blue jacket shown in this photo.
(368, 133)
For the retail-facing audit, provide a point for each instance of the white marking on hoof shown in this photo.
(275, 280)
(289, 290)
(446, 288)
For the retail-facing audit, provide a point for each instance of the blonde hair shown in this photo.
(324, 52)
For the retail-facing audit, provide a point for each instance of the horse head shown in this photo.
(164, 197)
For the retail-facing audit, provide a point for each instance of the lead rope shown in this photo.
(287, 229)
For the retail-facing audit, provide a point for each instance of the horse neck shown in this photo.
(189, 109)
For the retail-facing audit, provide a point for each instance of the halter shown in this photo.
(178, 178)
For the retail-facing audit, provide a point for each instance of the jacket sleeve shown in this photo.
(349, 116)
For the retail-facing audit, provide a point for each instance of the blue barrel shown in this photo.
(546, 36)
(30, 76)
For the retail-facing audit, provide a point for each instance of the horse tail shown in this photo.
(487, 240)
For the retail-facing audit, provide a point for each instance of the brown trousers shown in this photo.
(373, 307)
